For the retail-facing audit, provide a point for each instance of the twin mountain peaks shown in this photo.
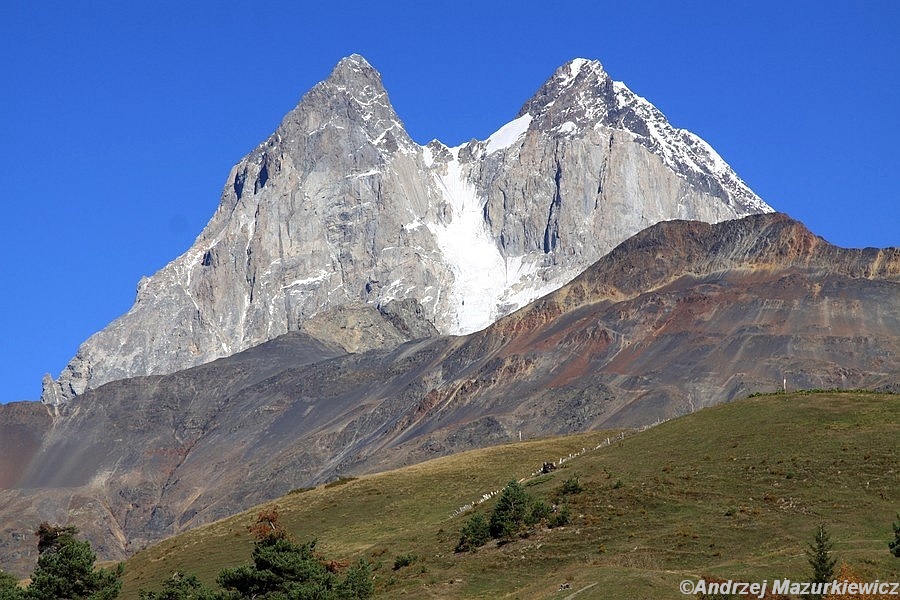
(341, 207)
(359, 302)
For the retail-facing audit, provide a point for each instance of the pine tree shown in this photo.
(282, 568)
(51, 537)
(819, 555)
(894, 546)
(65, 571)
(509, 515)
(180, 587)
(9, 587)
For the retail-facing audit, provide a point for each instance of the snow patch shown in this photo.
(468, 247)
(413, 225)
(507, 135)
(368, 173)
(486, 284)
(567, 127)
(575, 66)
(314, 279)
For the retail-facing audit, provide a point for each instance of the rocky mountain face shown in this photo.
(341, 207)
(678, 317)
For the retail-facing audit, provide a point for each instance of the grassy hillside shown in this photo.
(733, 491)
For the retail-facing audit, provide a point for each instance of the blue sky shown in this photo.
(119, 121)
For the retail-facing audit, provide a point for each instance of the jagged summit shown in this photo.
(355, 64)
(340, 207)
(354, 78)
(351, 104)
(581, 96)
(576, 93)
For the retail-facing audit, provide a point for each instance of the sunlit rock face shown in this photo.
(341, 207)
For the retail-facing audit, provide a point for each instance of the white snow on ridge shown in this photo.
(575, 67)
(680, 149)
(507, 135)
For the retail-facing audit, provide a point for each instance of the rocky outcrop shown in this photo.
(339, 207)
(362, 327)
(22, 429)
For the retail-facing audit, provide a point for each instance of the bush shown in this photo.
(571, 486)
(561, 517)
(538, 511)
(404, 560)
(474, 534)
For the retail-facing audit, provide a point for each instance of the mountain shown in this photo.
(340, 207)
(681, 316)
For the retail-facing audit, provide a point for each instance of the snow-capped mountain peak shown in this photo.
(340, 207)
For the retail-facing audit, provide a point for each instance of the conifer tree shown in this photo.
(181, 586)
(474, 534)
(9, 587)
(509, 515)
(819, 555)
(65, 569)
(894, 546)
(282, 568)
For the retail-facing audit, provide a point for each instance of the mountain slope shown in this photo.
(681, 316)
(734, 492)
(340, 206)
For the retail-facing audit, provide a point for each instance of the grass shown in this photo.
(734, 491)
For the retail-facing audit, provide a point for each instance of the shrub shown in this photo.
(560, 517)
(474, 534)
(404, 560)
(571, 486)
(537, 512)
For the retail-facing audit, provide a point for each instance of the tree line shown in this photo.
(280, 569)
(283, 569)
